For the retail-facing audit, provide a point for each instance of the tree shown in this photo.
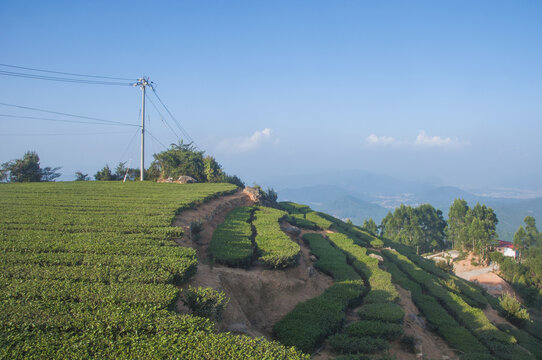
(531, 231)
(104, 174)
(27, 169)
(79, 176)
(421, 227)
(370, 226)
(180, 159)
(456, 230)
(520, 241)
(120, 171)
(212, 169)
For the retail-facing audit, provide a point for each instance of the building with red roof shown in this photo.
(506, 248)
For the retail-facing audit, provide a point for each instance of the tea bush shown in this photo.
(276, 249)
(231, 243)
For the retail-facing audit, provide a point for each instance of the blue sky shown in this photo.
(448, 92)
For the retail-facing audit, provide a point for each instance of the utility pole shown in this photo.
(143, 83)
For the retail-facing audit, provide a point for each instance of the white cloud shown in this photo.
(433, 141)
(374, 140)
(421, 140)
(243, 144)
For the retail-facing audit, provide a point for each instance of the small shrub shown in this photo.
(408, 343)
(377, 243)
(476, 356)
(512, 309)
(206, 302)
(389, 312)
(195, 229)
(444, 266)
(374, 329)
(345, 344)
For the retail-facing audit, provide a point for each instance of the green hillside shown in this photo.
(89, 270)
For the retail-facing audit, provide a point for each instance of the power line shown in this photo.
(183, 131)
(67, 134)
(67, 114)
(129, 144)
(70, 80)
(165, 147)
(66, 121)
(67, 73)
(164, 121)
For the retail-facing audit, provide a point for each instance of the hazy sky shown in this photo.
(443, 91)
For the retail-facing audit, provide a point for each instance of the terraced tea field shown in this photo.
(89, 270)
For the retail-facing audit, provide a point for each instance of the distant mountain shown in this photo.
(360, 195)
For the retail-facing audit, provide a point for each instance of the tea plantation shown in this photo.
(88, 270)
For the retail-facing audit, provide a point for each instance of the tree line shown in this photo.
(424, 228)
(525, 274)
(179, 159)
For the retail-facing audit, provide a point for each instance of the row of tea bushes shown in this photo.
(497, 342)
(232, 241)
(275, 248)
(312, 321)
(87, 270)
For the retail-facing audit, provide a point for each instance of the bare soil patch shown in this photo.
(466, 264)
(495, 285)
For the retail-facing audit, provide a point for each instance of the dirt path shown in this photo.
(432, 345)
(211, 214)
(258, 297)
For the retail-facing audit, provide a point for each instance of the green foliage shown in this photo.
(205, 302)
(370, 226)
(382, 289)
(331, 261)
(370, 328)
(180, 159)
(408, 343)
(294, 208)
(316, 218)
(389, 312)
(377, 243)
(276, 249)
(526, 275)
(212, 170)
(421, 228)
(195, 228)
(451, 331)
(344, 344)
(87, 271)
(310, 322)
(300, 221)
(445, 266)
(472, 229)
(512, 309)
(470, 317)
(529, 342)
(185, 159)
(105, 174)
(231, 243)
(476, 356)
(470, 293)
(79, 176)
(27, 169)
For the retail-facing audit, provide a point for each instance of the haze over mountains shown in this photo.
(359, 195)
